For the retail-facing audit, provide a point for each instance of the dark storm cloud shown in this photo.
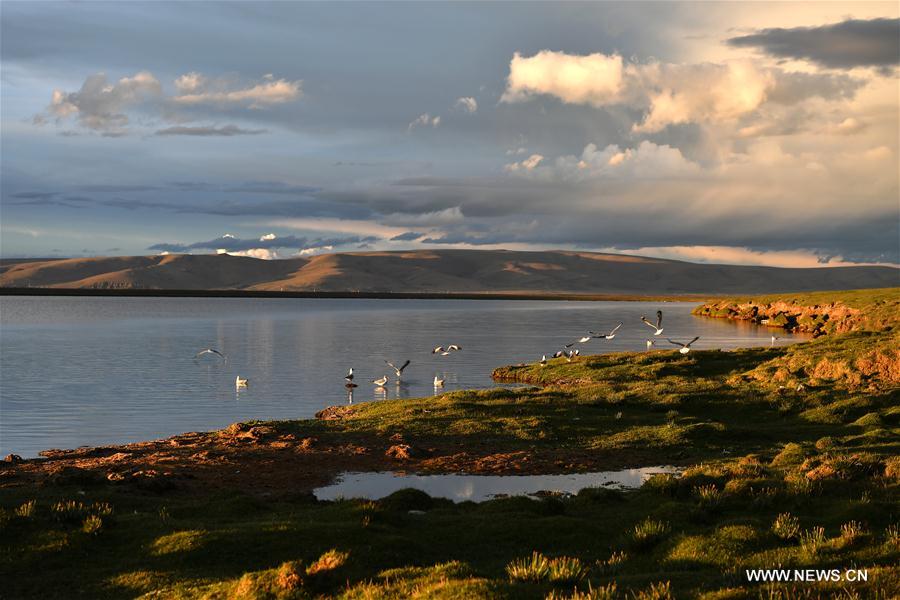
(851, 43)
(224, 131)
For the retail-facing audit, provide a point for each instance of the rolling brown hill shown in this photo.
(435, 271)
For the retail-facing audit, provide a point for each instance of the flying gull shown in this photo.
(658, 327)
(606, 336)
(397, 370)
(685, 348)
(210, 351)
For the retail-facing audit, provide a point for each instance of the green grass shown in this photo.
(774, 476)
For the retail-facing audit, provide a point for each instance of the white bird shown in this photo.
(559, 353)
(572, 354)
(210, 351)
(685, 348)
(544, 360)
(649, 344)
(349, 375)
(775, 338)
(658, 327)
(380, 382)
(454, 347)
(397, 370)
(606, 336)
(239, 383)
(438, 382)
(438, 349)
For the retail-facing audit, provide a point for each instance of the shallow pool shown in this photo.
(479, 488)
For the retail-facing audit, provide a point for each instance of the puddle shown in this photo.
(478, 488)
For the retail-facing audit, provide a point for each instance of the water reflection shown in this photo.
(478, 488)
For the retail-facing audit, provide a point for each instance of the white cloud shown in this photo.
(263, 253)
(645, 161)
(314, 250)
(424, 120)
(100, 105)
(527, 164)
(267, 237)
(666, 93)
(733, 255)
(467, 104)
(195, 89)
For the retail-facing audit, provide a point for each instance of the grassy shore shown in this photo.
(790, 458)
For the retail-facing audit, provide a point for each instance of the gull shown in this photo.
(210, 351)
(349, 375)
(607, 336)
(239, 383)
(438, 382)
(439, 349)
(453, 347)
(397, 370)
(380, 382)
(649, 344)
(544, 360)
(572, 354)
(559, 353)
(658, 326)
(775, 338)
(581, 340)
(445, 351)
(685, 348)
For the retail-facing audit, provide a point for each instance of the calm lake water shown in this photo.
(92, 371)
(478, 488)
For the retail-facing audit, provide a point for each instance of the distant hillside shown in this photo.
(436, 271)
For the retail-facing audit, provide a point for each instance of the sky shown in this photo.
(745, 133)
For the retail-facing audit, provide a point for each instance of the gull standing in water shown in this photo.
(380, 382)
(350, 385)
(397, 370)
(210, 351)
(438, 382)
(606, 336)
(658, 327)
(775, 338)
(685, 348)
(649, 344)
(240, 383)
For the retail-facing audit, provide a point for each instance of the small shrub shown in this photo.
(791, 454)
(852, 531)
(786, 526)
(92, 524)
(812, 540)
(708, 495)
(607, 592)
(330, 561)
(825, 443)
(289, 576)
(27, 510)
(539, 568)
(661, 483)
(657, 591)
(672, 416)
(648, 533)
(612, 564)
(892, 536)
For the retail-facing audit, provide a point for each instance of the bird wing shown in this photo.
(658, 319)
(454, 347)
(570, 345)
(391, 365)
(406, 364)
(674, 342)
(692, 341)
(616, 329)
(438, 349)
(644, 319)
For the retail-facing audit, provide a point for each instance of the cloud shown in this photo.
(467, 104)
(407, 236)
(224, 131)
(527, 164)
(424, 120)
(267, 237)
(100, 106)
(237, 246)
(104, 107)
(666, 93)
(262, 253)
(845, 45)
(195, 89)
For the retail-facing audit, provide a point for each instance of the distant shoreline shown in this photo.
(164, 293)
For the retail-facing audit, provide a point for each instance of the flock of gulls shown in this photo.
(569, 352)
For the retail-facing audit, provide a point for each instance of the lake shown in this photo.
(104, 370)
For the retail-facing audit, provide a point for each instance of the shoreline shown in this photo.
(171, 293)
